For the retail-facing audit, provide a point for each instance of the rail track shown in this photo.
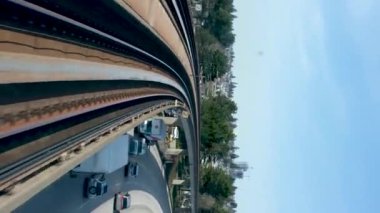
(19, 117)
(55, 20)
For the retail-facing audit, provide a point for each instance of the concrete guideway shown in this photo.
(78, 24)
(16, 42)
(20, 68)
(154, 16)
(159, 27)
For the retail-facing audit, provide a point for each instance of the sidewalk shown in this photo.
(156, 155)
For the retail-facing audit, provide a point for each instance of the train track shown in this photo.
(19, 117)
(43, 18)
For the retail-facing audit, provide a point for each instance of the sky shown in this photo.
(308, 96)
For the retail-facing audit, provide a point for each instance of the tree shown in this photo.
(233, 204)
(216, 182)
(216, 129)
(219, 209)
(213, 60)
(214, 42)
(219, 22)
(182, 138)
(214, 63)
(217, 152)
(205, 39)
(234, 156)
(225, 4)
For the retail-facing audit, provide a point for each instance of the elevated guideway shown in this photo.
(138, 53)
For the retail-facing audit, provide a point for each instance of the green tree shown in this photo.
(214, 63)
(216, 182)
(216, 129)
(219, 22)
(205, 39)
(219, 209)
(182, 138)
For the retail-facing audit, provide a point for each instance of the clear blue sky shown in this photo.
(309, 105)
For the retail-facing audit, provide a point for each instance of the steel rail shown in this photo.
(174, 2)
(15, 118)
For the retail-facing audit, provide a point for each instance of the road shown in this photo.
(66, 194)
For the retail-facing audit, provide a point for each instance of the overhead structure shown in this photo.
(67, 67)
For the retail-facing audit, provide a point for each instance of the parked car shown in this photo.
(96, 186)
(121, 201)
(137, 146)
(132, 169)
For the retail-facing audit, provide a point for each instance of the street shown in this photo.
(66, 195)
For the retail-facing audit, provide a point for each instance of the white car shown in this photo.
(96, 186)
(132, 169)
(121, 201)
(137, 146)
